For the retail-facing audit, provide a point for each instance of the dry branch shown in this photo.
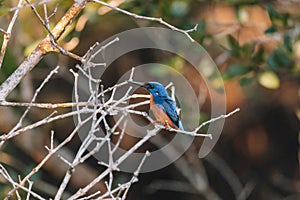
(44, 47)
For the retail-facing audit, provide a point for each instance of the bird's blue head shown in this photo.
(156, 89)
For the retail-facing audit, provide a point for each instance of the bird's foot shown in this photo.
(167, 126)
(155, 122)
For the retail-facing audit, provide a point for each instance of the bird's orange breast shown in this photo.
(160, 114)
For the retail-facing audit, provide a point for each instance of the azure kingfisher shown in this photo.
(161, 104)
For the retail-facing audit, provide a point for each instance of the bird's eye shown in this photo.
(149, 86)
(156, 93)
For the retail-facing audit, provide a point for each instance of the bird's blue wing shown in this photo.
(169, 106)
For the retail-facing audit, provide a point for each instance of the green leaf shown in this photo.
(244, 81)
(258, 57)
(200, 34)
(280, 59)
(273, 12)
(246, 51)
(234, 46)
(271, 62)
(236, 70)
(275, 15)
(272, 29)
(287, 41)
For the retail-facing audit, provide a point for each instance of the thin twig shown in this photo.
(20, 122)
(47, 120)
(119, 161)
(29, 188)
(216, 119)
(37, 3)
(90, 55)
(43, 48)
(16, 185)
(48, 156)
(7, 34)
(159, 20)
(53, 38)
(45, 105)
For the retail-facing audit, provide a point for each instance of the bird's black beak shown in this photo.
(137, 83)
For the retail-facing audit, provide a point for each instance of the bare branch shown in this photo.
(216, 119)
(90, 55)
(20, 122)
(49, 155)
(29, 188)
(53, 38)
(46, 120)
(43, 47)
(159, 20)
(37, 3)
(46, 105)
(15, 185)
(7, 33)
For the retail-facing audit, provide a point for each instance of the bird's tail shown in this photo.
(180, 126)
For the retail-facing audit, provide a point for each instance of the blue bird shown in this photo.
(161, 104)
